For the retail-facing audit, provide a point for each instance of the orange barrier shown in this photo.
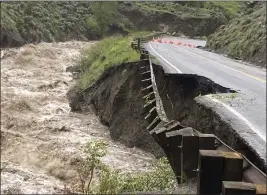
(172, 42)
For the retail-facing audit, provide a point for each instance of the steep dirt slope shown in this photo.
(118, 99)
(41, 140)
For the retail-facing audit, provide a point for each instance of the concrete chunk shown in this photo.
(252, 175)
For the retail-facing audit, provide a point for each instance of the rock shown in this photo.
(237, 58)
(64, 128)
(73, 69)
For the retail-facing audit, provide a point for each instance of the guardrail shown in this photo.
(219, 168)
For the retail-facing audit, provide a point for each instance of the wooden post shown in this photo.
(190, 151)
(160, 136)
(146, 83)
(210, 172)
(174, 146)
(233, 166)
(238, 188)
(260, 189)
(151, 115)
(206, 142)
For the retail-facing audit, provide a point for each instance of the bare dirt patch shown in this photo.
(41, 139)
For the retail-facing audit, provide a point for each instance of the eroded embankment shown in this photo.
(42, 142)
(180, 94)
(118, 100)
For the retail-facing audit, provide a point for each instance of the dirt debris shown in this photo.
(41, 139)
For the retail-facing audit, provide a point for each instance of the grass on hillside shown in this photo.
(59, 21)
(172, 8)
(106, 53)
(232, 8)
(110, 51)
(242, 37)
(195, 9)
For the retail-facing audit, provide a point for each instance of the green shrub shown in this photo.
(93, 26)
(160, 178)
(111, 181)
(94, 151)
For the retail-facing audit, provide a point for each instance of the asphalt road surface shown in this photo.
(248, 107)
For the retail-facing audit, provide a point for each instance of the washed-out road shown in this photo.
(246, 110)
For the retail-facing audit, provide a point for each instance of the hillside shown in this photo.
(27, 22)
(243, 37)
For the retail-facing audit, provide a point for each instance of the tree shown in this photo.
(94, 151)
(104, 13)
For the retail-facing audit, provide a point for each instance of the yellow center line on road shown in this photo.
(241, 72)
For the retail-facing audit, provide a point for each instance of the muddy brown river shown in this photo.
(40, 137)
